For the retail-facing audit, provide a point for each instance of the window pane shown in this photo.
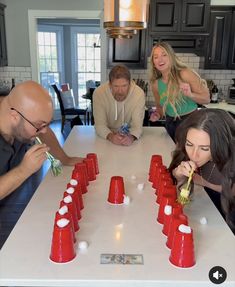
(81, 66)
(48, 65)
(42, 66)
(97, 66)
(90, 67)
(90, 53)
(81, 52)
(41, 51)
(40, 38)
(53, 52)
(97, 77)
(97, 53)
(89, 76)
(81, 39)
(90, 40)
(47, 38)
(54, 65)
(47, 51)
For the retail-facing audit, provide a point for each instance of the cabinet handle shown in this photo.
(183, 21)
(176, 21)
(209, 58)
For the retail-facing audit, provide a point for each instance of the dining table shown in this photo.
(125, 229)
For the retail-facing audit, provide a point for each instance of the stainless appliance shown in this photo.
(231, 94)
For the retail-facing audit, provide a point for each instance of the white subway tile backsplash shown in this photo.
(20, 74)
(220, 76)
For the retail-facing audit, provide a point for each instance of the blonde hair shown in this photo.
(174, 96)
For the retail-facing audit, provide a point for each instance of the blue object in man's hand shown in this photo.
(124, 129)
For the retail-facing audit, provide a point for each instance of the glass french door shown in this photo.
(87, 60)
(50, 39)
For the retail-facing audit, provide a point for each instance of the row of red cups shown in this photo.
(171, 216)
(67, 218)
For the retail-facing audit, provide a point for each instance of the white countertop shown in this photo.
(223, 106)
(133, 229)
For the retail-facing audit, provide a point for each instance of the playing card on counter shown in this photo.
(135, 259)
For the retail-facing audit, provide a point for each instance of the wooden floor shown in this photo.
(12, 206)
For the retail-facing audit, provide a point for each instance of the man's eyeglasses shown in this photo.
(33, 125)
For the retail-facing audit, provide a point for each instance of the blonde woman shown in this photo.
(177, 89)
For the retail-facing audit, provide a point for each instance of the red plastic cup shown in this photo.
(167, 199)
(116, 190)
(155, 165)
(170, 189)
(154, 158)
(165, 184)
(159, 171)
(79, 175)
(63, 212)
(163, 176)
(72, 209)
(182, 252)
(90, 165)
(95, 159)
(176, 209)
(78, 189)
(81, 166)
(176, 221)
(71, 191)
(62, 246)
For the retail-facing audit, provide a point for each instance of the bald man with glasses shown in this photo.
(25, 114)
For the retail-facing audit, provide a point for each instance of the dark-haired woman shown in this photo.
(206, 144)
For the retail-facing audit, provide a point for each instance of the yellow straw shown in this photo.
(190, 178)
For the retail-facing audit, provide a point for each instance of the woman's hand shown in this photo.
(183, 169)
(154, 116)
(186, 89)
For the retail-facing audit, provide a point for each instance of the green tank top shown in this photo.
(187, 106)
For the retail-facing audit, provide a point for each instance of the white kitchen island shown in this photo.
(129, 229)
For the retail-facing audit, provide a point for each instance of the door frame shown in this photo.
(33, 15)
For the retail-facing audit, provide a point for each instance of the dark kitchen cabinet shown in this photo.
(221, 47)
(3, 47)
(130, 52)
(231, 55)
(179, 16)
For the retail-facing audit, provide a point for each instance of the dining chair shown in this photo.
(66, 113)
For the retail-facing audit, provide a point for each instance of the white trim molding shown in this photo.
(33, 15)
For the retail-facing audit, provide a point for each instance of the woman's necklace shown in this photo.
(212, 169)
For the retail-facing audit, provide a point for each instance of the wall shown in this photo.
(222, 2)
(16, 15)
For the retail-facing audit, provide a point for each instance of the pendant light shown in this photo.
(122, 18)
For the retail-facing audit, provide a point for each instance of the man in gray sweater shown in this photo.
(117, 102)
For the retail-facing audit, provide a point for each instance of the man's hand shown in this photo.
(118, 139)
(33, 159)
(127, 139)
(115, 138)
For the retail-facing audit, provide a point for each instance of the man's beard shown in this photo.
(18, 132)
(119, 97)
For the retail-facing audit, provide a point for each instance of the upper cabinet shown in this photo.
(3, 48)
(221, 48)
(130, 52)
(179, 16)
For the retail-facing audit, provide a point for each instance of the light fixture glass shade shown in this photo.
(125, 15)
